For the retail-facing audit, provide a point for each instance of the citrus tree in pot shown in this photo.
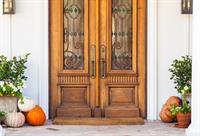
(12, 81)
(182, 74)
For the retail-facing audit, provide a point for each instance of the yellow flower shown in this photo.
(186, 88)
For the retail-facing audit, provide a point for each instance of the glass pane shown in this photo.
(73, 34)
(121, 34)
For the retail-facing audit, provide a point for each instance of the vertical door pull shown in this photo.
(93, 61)
(103, 61)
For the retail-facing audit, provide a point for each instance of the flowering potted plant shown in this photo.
(182, 74)
(182, 112)
(12, 81)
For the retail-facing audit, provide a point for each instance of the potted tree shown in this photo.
(12, 81)
(182, 74)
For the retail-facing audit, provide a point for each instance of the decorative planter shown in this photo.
(8, 104)
(183, 120)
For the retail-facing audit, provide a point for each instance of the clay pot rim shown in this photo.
(180, 113)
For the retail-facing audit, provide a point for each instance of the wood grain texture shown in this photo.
(74, 93)
(98, 121)
(117, 111)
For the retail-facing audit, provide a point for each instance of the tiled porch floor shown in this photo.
(150, 128)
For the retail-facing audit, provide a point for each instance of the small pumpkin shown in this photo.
(36, 116)
(173, 100)
(15, 119)
(166, 115)
(26, 105)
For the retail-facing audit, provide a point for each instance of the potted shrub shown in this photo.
(182, 74)
(12, 81)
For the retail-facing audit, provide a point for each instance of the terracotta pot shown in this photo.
(183, 120)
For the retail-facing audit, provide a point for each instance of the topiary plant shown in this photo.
(181, 70)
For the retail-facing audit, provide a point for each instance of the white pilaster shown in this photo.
(152, 99)
(44, 61)
(2, 131)
(194, 128)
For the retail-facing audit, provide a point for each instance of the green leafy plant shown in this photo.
(183, 108)
(180, 109)
(181, 70)
(12, 75)
(2, 115)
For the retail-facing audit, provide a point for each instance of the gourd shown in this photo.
(165, 113)
(36, 116)
(27, 104)
(173, 100)
(15, 119)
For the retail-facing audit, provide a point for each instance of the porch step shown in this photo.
(98, 121)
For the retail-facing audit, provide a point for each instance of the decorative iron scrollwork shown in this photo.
(73, 35)
(121, 34)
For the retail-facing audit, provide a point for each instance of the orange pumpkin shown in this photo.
(36, 116)
(173, 100)
(165, 115)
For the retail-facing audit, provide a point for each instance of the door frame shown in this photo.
(142, 6)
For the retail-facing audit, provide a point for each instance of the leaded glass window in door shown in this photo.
(121, 34)
(73, 35)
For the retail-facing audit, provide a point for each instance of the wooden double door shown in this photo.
(98, 59)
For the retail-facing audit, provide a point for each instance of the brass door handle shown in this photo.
(93, 61)
(103, 61)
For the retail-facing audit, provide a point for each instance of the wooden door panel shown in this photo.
(122, 101)
(98, 64)
(121, 96)
(120, 35)
(70, 78)
(74, 96)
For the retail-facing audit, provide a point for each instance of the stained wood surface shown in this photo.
(98, 121)
(74, 93)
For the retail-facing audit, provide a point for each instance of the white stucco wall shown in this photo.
(173, 42)
(26, 31)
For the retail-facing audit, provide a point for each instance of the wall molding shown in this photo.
(193, 129)
(152, 60)
(44, 62)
